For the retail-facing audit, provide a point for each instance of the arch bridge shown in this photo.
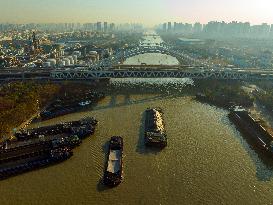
(110, 68)
(120, 56)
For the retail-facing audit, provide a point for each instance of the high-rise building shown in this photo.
(35, 41)
(265, 29)
(99, 28)
(89, 26)
(197, 28)
(271, 29)
(164, 27)
(175, 26)
(112, 26)
(169, 26)
(105, 26)
(188, 28)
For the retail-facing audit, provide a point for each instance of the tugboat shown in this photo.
(113, 171)
(155, 134)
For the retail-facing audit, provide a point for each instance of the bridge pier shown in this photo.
(113, 101)
(127, 99)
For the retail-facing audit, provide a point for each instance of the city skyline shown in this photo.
(156, 11)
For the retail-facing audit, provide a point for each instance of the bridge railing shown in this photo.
(85, 75)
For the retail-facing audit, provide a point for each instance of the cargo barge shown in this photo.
(40, 147)
(254, 132)
(70, 104)
(155, 134)
(18, 160)
(113, 168)
(75, 129)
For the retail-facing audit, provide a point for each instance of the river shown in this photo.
(206, 161)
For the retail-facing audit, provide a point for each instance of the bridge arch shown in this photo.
(125, 54)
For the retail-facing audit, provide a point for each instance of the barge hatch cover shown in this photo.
(114, 161)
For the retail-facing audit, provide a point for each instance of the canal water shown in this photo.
(206, 161)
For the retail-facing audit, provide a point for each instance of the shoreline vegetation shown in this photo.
(224, 94)
(266, 99)
(19, 101)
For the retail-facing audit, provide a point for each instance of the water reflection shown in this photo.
(152, 59)
(128, 101)
(170, 89)
(206, 161)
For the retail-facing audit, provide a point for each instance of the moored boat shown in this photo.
(53, 156)
(251, 128)
(39, 147)
(70, 104)
(81, 129)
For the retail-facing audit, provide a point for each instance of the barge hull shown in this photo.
(114, 164)
(252, 135)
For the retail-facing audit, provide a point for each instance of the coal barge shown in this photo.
(40, 147)
(113, 168)
(254, 132)
(155, 134)
(74, 129)
(31, 156)
(70, 104)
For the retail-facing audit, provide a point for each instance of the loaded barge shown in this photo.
(257, 135)
(40, 147)
(81, 129)
(70, 104)
(155, 134)
(113, 168)
(23, 158)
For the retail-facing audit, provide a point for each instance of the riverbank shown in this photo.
(223, 93)
(201, 135)
(21, 102)
(226, 95)
(43, 146)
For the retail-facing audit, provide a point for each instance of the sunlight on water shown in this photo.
(152, 59)
(165, 84)
(206, 161)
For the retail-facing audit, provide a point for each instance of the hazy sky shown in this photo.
(145, 11)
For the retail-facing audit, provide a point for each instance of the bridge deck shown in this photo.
(73, 74)
(109, 68)
(195, 74)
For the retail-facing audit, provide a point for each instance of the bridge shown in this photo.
(194, 74)
(111, 68)
(72, 74)
(121, 55)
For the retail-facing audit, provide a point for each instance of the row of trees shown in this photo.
(19, 101)
(225, 93)
(266, 98)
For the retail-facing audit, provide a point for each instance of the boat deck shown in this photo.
(114, 161)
